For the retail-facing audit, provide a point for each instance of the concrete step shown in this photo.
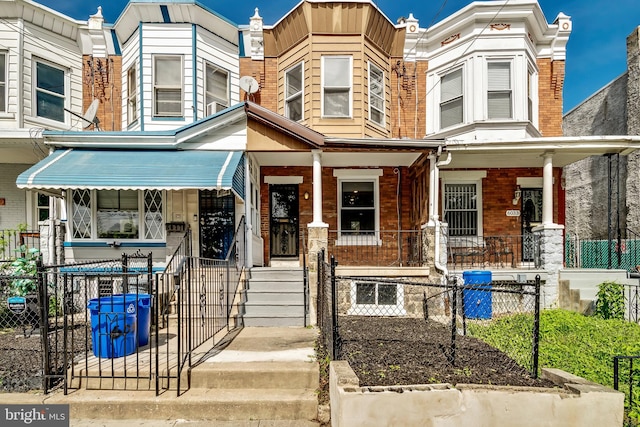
(262, 310)
(195, 404)
(272, 321)
(276, 273)
(279, 286)
(275, 297)
(256, 375)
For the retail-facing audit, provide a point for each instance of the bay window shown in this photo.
(336, 86)
(376, 95)
(50, 91)
(451, 99)
(294, 99)
(499, 99)
(167, 86)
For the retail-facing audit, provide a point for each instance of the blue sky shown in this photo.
(596, 53)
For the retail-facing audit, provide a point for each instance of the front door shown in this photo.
(284, 220)
(531, 217)
(217, 213)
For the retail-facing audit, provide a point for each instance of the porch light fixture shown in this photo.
(516, 196)
(306, 195)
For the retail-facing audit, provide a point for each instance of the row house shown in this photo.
(403, 151)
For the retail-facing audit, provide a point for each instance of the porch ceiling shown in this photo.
(337, 159)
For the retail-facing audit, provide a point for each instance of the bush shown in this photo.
(610, 301)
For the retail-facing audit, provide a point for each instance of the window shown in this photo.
(217, 89)
(376, 95)
(377, 299)
(336, 86)
(3, 82)
(167, 86)
(530, 92)
(358, 206)
(451, 99)
(294, 93)
(50, 92)
(461, 209)
(117, 214)
(499, 90)
(42, 207)
(132, 94)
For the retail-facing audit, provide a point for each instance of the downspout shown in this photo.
(434, 178)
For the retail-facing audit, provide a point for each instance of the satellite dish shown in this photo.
(89, 116)
(249, 84)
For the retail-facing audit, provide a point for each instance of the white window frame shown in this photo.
(93, 225)
(460, 98)
(374, 68)
(157, 87)
(359, 175)
(4, 108)
(340, 88)
(464, 177)
(500, 90)
(210, 97)
(376, 309)
(289, 98)
(132, 95)
(532, 94)
(36, 90)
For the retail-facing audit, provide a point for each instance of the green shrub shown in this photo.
(610, 301)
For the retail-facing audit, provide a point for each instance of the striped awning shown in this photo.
(137, 170)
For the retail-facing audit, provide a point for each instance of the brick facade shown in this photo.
(103, 81)
(550, 84)
(266, 74)
(408, 98)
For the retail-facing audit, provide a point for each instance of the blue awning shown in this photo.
(137, 170)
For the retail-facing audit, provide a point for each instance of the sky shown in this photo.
(596, 52)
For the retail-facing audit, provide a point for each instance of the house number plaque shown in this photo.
(513, 212)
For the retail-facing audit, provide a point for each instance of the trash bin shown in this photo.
(477, 302)
(114, 325)
(144, 318)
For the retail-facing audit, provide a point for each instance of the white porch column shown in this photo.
(317, 190)
(433, 190)
(547, 189)
(248, 233)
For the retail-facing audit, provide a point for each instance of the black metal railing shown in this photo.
(15, 243)
(327, 305)
(305, 277)
(503, 251)
(392, 248)
(626, 378)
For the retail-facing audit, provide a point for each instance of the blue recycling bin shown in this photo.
(114, 325)
(478, 301)
(144, 318)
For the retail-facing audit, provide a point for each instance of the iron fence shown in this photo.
(619, 252)
(401, 248)
(327, 305)
(510, 251)
(626, 378)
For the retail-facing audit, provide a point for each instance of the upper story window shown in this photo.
(50, 91)
(336, 86)
(167, 86)
(530, 94)
(3, 82)
(451, 99)
(217, 89)
(132, 95)
(294, 96)
(499, 96)
(376, 95)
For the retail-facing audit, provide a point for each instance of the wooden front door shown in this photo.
(284, 211)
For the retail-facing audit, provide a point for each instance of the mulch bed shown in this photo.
(402, 351)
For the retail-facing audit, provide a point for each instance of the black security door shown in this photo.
(531, 217)
(217, 214)
(284, 220)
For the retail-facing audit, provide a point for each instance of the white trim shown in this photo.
(154, 103)
(377, 309)
(463, 176)
(223, 169)
(66, 97)
(287, 99)
(351, 175)
(322, 86)
(283, 180)
(529, 182)
(383, 111)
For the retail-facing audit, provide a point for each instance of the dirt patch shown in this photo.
(401, 351)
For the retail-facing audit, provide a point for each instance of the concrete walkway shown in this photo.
(250, 345)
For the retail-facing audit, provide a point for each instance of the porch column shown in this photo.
(318, 236)
(547, 189)
(551, 245)
(433, 190)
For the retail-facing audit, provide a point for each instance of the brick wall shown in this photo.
(103, 81)
(266, 74)
(550, 85)
(408, 83)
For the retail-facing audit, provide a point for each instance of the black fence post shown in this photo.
(616, 362)
(536, 328)
(43, 311)
(334, 310)
(454, 309)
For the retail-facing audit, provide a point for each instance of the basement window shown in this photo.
(377, 299)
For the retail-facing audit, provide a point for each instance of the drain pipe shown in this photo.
(434, 178)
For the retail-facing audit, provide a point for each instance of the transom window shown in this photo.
(377, 299)
(167, 86)
(3, 82)
(50, 91)
(461, 209)
(336, 86)
(217, 89)
(499, 101)
(376, 95)
(117, 214)
(451, 99)
(132, 93)
(42, 207)
(294, 93)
